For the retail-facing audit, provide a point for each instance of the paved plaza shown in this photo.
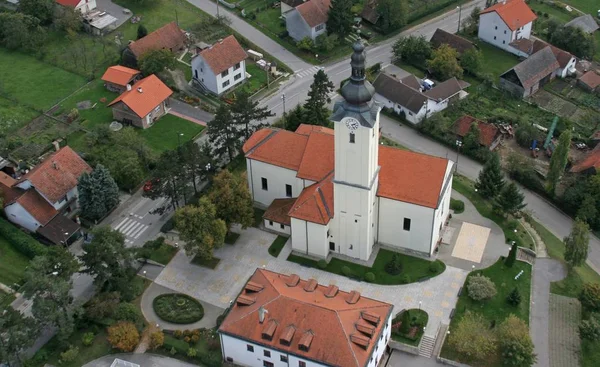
(471, 242)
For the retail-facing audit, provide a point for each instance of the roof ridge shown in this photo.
(348, 341)
(271, 134)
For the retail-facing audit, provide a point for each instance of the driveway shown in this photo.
(145, 360)
(190, 111)
(114, 10)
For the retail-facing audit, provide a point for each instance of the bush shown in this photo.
(322, 264)
(178, 334)
(370, 277)
(214, 344)
(157, 339)
(346, 271)
(173, 351)
(590, 328)
(87, 339)
(102, 306)
(69, 355)
(457, 205)
(435, 267)
(127, 312)
(192, 352)
(590, 296)
(178, 309)
(123, 336)
(195, 338)
(20, 240)
(394, 266)
(187, 339)
(514, 297)
(481, 288)
(405, 279)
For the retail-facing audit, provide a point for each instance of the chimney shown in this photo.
(220, 40)
(140, 90)
(56, 145)
(54, 165)
(128, 87)
(261, 314)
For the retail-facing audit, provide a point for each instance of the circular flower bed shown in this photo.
(178, 308)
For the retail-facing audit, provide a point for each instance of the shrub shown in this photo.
(192, 352)
(195, 338)
(127, 312)
(481, 288)
(394, 266)
(457, 205)
(157, 339)
(515, 342)
(512, 256)
(514, 297)
(187, 339)
(21, 241)
(123, 336)
(213, 344)
(173, 351)
(405, 279)
(87, 339)
(322, 264)
(69, 355)
(178, 309)
(590, 328)
(370, 277)
(346, 271)
(435, 267)
(590, 296)
(178, 334)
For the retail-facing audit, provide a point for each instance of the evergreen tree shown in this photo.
(244, 111)
(141, 31)
(514, 297)
(558, 162)
(98, 193)
(576, 244)
(317, 111)
(510, 200)
(340, 18)
(512, 256)
(491, 180)
(224, 134)
(295, 118)
(393, 14)
(19, 332)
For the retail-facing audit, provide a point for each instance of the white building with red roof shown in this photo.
(282, 320)
(308, 19)
(350, 192)
(506, 22)
(84, 6)
(221, 66)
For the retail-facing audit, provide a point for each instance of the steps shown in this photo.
(426, 346)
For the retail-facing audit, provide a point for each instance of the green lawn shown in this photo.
(413, 268)
(277, 245)
(34, 83)
(163, 135)
(560, 14)
(12, 263)
(257, 80)
(14, 116)
(495, 60)
(6, 299)
(94, 92)
(163, 254)
(100, 347)
(495, 309)
(586, 6)
(258, 215)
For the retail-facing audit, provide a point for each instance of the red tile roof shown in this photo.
(515, 13)
(57, 174)
(315, 203)
(37, 206)
(563, 57)
(8, 193)
(410, 177)
(223, 55)
(324, 325)
(488, 132)
(278, 211)
(119, 75)
(282, 148)
(306, 129)
(72, 3)
(168, 37)
(319, 157)
(6, 180)
(314, 12)
(591, 160)
(591, 79)
(145, 95)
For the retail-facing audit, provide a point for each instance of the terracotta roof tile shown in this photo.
(306, 129)
(71, 3)
(283, 148)
(6, 180)
(57, 174)
(591, 79)
(167, 37)
(315, 203)
(223, 55)
(37, 206)
(488, 132)
(410, 177)
(119, 75)
(515, 13)
(319, 157)
(145, 95)
(256, 139)
(314, 12)
(8, 193)
(322, 324)
(591, 160)
(278, 211)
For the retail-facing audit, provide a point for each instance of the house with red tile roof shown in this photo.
(220, 67)
(279, 318)
(590, 81)
(343, 191)
(506, 22)
(118, 78)
(307, 19)
(41, 200)
(84, 6)
(590, 164)
(168, 37)
(489, 134)
(143, 103)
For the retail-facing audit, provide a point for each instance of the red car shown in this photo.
(148, 185)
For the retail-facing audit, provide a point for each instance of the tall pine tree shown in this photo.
(510, 200)
(244, 111)
(491, 180)
(224, 133)
(98, 193)
(340, 18)
(317, 111)
(558, 162)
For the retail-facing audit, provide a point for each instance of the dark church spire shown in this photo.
(357, 91)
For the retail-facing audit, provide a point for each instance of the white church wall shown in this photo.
(309, 238)
(277, 179)
(441, 213)
(277, 227)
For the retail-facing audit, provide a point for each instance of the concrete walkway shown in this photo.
(145, 360)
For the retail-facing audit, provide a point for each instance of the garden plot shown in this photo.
(38, 135)
(554, 104)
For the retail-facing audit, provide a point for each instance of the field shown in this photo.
(163, 135)
(12, 264)
(14, 116)
(100, 113)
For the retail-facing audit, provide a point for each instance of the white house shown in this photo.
(221, 66)
(84, 6)
(506, 22)
(282, 320)
(350, 192)
(307, 19)
(40, 199)
(407, 95)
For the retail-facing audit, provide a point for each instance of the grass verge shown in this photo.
(163, 254)
(258, 216)
(206, 263)
(277, 245)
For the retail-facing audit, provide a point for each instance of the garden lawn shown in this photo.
(561, 15)
(416, 317)
(12, 263)
(163, 134)
(258, 79)
(163, 254)
(495, 309)
(100, 347)
(34, 83)
(14, 116)
(495, 60)
(414, 268)
(277, 245)
(6, 299)
(586, 6)
(101, 114)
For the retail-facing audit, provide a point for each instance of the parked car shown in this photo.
(150, 183)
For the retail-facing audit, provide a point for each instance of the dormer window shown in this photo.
(352, 138)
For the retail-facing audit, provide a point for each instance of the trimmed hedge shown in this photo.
(20, 240)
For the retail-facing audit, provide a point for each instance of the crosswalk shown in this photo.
(131, 228)
(308, 72)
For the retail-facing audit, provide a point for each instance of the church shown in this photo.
(341, 191)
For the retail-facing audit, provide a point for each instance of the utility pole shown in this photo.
(459, 16)
(458, 145)
(218, 18)
(283, 99)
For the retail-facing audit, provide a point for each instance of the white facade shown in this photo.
(85, 6)
(219, 83)
(569, 69)
(298, 29)
(18, 215)
(493, 30)
(58, 205)
(277, 227)
(276, 179)
(416, 117)
(310, 238)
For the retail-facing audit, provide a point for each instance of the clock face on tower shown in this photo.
(351, 124)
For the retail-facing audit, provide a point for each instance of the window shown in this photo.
(505, 31)
(319, 27)
(288, 191)
(157, 109)
(64, 198)
(265, 185)
(283, 358)
(301, 364)
(331, 246)
(236, 66)
(225, 83)
(249, 348)
(409, 113)
(267, 353)
(268, 364)
(196, 73)
(236, 77)
(503, 42)
(352, 138)
(270, 222)
(406, 224)
(494, 37)
(201, 70)
(496, 27)
(282, 226)
(225, 73)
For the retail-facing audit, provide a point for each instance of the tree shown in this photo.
(512, 255)
(444, 62)
(316, 107)
(244, 111)
(558, 162)
(98, 193)
(18, 333)
(306, 44)
(576, 244)
(327, 42)
(157, 339)
(481, 288)
(155, 61)
(68, 19)
(524, 134)
(473, 337)
(516, 345)
(472, 61)
(489, 3)
(197, 161)
(510, 200)
(572, 39)
(141, 31)
(393, 14)
(20, 31)
(414, 50)
(41, 9)
(490, 181)
(102, 306)
(224, 134)
(294, 118)
(588, 212)
(200, 228)
(170, 177)
(108, 261)
(590, 297)
(514, 297)
(590, 329)
(123, 336)
(471, 140)
(471, 24)
(232, 200)
(340, 18)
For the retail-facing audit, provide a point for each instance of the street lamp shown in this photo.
(458, 145)
(419, 305)
(459, 16)
(179, 135)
